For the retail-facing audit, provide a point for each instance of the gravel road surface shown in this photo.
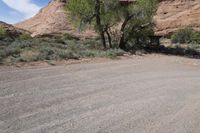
(151, 94)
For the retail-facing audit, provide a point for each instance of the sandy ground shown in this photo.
(152, 94)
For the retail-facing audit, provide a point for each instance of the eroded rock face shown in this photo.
(11, 30)
(51, 19)
(174, 14)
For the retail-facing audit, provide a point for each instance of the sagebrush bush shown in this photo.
(93, 44)
(196, 37)
(29, 55)
(35, 49)
(24, 36)
(22, 43)
(2, 54)
(67, 54)
(2, 33)
(113, 53)
(4, 43)
(12, 51)
(186, 35)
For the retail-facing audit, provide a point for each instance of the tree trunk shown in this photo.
(103, 39)
(109, 38)
(98, 22)
(122, 44)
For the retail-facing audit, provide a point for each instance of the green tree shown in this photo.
(105, 14)
(136, 21)
(100, 13)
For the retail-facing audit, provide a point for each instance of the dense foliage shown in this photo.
(137, 23)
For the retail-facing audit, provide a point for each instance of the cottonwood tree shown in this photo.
(136, 20)
(100, 13)
(105, 14)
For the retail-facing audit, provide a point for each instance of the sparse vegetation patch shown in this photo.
(186, 35)
(2, 33)
(41, 49)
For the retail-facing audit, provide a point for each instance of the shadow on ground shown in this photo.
(177, 51)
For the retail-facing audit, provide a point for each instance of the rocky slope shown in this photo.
(11, 30)
(175, 14)
(52, 19)
(171, 15)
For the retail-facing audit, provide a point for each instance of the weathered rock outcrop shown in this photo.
(174, 14)
(11, 30)
(52, 19)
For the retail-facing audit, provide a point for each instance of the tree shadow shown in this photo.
(177, 51)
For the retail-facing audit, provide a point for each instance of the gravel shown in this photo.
(151, 94)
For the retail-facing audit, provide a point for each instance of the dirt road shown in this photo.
(158, 94)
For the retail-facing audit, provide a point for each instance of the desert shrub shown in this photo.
(67, 54)
(110, 54)
(46, 53)
(89, 53)
(22, 43)
(182, 36)
(113, 53)
(73, 45)
(2, 54)
(12, 51)
(186, 35)
(35, 49)
(60, 41)
(2, 33)
(196, 37)
(4, 43)
(24, 36)
(55, 53)
(67, 36)
(93, 44)
(57, 45)
(29, 55)
(63, 54)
